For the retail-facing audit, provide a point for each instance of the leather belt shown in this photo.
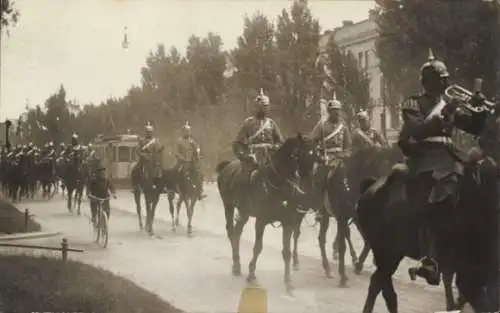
(439, 139)
(262, 145)
(333, 150)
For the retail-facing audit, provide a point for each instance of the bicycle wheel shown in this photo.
(95, 225)
(103, 230)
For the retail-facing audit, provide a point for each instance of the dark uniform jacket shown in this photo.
(100, 187)
(426, 139)
(257, 136)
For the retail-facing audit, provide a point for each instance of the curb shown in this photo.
(33, 235)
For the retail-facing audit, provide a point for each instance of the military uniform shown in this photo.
(151, 154)
(258, 138)
(187, 154)
(365, 139)
(333, 139)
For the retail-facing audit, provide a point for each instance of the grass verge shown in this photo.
(12, 220)
(30, 284)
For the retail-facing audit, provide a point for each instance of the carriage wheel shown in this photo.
(103, 236)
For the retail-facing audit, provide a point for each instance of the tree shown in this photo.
(208, 63)
(8, 14)
(459, 32)
(297, 39)
(342, 75)
(255, 56)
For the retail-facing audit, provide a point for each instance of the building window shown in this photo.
(360, 59)
(123, 154)
(367, 58)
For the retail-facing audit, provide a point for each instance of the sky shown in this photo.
(78, 42)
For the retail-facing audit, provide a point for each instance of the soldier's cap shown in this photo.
(149, 127)
(334, 104)
(363, 115)
(262, 98)
(434, 66)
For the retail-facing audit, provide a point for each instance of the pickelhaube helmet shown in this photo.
(363, 115)
(434, 66)
(148, 128)
(262, 98)
(334, 103)
(186, 126)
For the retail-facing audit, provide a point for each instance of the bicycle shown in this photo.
(101, 233)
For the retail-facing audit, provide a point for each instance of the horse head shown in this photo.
(297, 156)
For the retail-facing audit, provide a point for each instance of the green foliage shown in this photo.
(462, 33)
(32, 284)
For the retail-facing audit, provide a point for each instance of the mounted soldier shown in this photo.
(259, 135)
(365, 136)
(433, 165)
(150, 155)
(187, 155)
(331, 135)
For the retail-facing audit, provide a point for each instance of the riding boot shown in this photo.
(428, 267)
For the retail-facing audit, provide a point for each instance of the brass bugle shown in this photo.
(463, 95)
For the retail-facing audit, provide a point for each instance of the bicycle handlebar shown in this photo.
(97, 198)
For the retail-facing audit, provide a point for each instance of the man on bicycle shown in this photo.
(100, 187)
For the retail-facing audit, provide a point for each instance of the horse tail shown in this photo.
(366, 183)
(221, 166)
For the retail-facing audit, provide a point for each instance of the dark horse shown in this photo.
(146, 180)
(468, 235)
(332, 196)
(264, 194)
(183, 181)
(74, 178)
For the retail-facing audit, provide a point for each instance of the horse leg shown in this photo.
(137, 199)
(190, 213)
(381, 280)
(364, 253)
(335, 247)
(178, 209)
(324, 223)
(78, 199)
(286, 252)
(149, 220)
(70, 199)
(154, 204)
(296, 235)
(352, 251)
(448, 288)
(170, 197)
(235, 242)
(260, 226)
(342, 226)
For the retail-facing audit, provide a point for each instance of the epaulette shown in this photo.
(412, 103)
(248, 119)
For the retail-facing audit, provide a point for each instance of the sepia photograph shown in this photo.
(249, 156)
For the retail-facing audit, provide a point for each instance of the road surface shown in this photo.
(194, 273)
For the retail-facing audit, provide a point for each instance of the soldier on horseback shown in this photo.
(187, 157)
(259, 135)
(433, 165)
(150, 156)
(333, 140)
(365, 136)
(332, 135)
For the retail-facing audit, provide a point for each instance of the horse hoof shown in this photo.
(296, 267)
(251, 278)
(328, 275)
(358, 268)
(343, 282)
(236, 270)
(289, 288)
(335, 257)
